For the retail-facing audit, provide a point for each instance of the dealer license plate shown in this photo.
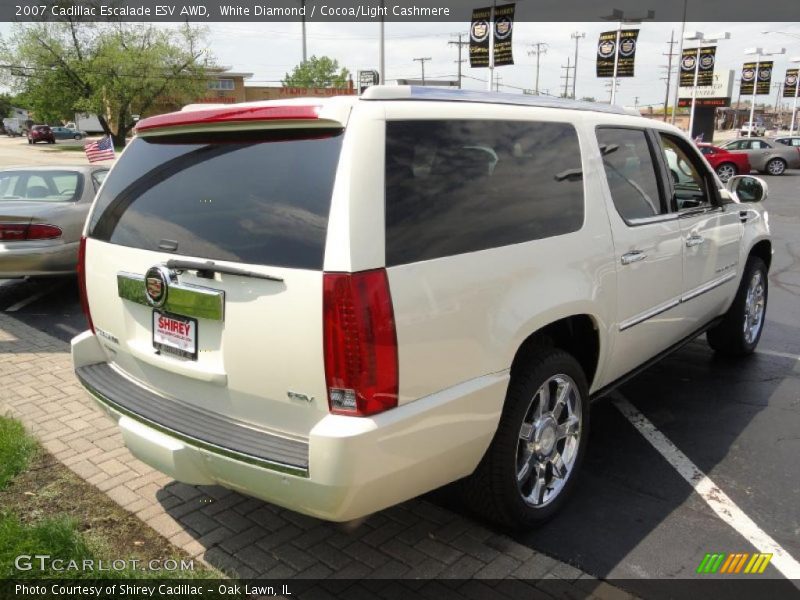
(175, 335)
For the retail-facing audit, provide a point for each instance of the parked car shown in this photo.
(725, 163)
(41, 133)
(789, 140)
(766, 155)
(338, 304)
(64, 133)
(756, 129)
(42, 212)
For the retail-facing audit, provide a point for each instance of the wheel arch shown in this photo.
(763, 250)
(578, 335)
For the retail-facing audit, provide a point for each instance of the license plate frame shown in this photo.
(176, 347)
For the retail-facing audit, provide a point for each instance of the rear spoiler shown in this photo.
(290, 115)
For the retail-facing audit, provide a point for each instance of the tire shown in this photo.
(527, 444)
(776, 166)
(30, 141)
(740, 330)
(725, 171)
(77, 136)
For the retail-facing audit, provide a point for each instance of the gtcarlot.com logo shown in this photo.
(733, 564)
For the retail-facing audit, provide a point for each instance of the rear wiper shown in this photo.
(208, 268)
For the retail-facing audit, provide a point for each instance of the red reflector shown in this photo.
(15, 232)
(43, 232)
(230, 114)
(82, 282)
(360, 343)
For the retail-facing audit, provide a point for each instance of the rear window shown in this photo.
(457, 186)
(40, 186)
(250, 197)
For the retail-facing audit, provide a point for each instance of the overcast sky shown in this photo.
(269, 50)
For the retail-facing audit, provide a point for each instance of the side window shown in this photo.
(97, 179)
(457, 186)
(689, 177)
(706, 150)
(760, 145)
(630, 172)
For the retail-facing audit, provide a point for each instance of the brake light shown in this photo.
(82, 282)
(290, 112)
(360, 343)
(17, 232)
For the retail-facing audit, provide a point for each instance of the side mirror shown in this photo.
(747, 188)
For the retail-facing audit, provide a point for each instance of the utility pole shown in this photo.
(305, 52)
(422, 64)
(680, 54)
(497, 80)
(539, 48)
(577, 36)
(565, 77)
(669, 56)
(612, 86)
(460, 45)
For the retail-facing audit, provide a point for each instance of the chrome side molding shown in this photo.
(182, 298)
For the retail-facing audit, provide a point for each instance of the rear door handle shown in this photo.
(633, 256)
(694, 240)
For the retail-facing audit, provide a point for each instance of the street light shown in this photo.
(700, 39)
(758, 53)
(619, 16)
(796, 59)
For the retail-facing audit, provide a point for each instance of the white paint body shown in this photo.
(460, 321)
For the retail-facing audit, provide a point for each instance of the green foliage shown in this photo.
(322, 72)
(16, 449)
(112, 70)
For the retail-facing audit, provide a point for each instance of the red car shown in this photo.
(725, 163)
(41, 133)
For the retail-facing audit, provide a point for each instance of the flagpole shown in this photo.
(794, 105)
(616, 64)
(491, 46)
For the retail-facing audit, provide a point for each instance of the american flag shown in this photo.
(102, 150)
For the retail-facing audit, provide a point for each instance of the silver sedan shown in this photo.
(766, 155)
(42, 212)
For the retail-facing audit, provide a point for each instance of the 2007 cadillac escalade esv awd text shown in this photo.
(336, 305)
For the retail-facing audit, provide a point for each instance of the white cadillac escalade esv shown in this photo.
(336, 305)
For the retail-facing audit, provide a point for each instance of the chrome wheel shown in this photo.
(754, 308)
(776, 167)
(725, 172)
(549, 440)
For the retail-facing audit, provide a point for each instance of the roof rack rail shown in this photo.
(409, 92)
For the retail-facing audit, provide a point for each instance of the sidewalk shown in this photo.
(249, 538)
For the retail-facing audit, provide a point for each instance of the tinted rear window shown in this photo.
(250, 197)
(457, 186)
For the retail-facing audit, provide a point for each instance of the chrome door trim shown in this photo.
(182, 299)
(708, 286)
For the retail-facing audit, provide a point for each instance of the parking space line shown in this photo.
(780, 354)
(31, 299)
(710, 492)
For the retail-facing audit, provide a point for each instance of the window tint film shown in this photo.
(688, 181)
(40, 186)
(250, 197)
(457, 186)
(630, 172)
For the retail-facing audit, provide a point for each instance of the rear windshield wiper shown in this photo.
(208, 268)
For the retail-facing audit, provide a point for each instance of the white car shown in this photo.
(752, 129)
(338, 304)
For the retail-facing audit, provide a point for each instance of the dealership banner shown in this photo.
(749, 76)
(479, 34)
(705, 72)
(503, 30)
(790, 83)
(626, 53)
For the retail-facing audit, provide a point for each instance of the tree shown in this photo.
(114, 70)
(322, 72)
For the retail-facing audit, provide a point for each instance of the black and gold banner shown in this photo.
(749, 76)
(607, 50)
(705, 71)
(503, 30)
(479, 37)
(790, 83)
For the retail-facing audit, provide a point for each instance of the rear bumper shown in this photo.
(20, 259)
(346, 468)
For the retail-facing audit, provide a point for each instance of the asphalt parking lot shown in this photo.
(634, 515)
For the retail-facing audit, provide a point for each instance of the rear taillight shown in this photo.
(18, 232)
(82, 282)
(360, 343)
